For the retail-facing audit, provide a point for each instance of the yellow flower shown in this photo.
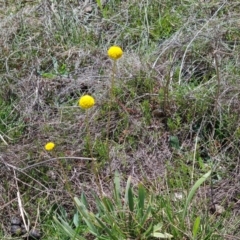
(49, 146)
(115, 52)
(86, 101)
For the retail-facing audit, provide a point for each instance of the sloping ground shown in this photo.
(175, 113)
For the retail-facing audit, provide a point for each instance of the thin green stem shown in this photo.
(111, 95)
(88, 135)
(113, 81)
(218, 79)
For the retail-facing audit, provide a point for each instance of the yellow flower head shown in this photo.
(49, 146)
(86, 101)
(115, 52)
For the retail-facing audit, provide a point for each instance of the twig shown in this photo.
(54, 159)
(22, 211)
(3, 139)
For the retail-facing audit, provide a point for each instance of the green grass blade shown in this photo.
(87, 216)
(99, 3)
(148, 232)
(146, 216)
(76, 219)
(196, 227)
(67, 228)
(162, 235)
(106, 229)
(130, 200)
(108, 204)
(157, 234)
(131, 208)
(141, 199)
(84, 200)
(117, 189)
(126, 192)
(99, 204)
(193, 191)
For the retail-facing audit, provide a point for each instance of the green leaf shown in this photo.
(99, 204)
(108, 204)
(196, 227)
(130, 200)
(67, 228)
(131, 208)
(141, 199)
(99, 3)
(174, 142)
(126, 192)
(157, 234)
(84, 200)
(162, 235)
(105, 228)
(157, 227)
(148, 232)
(87, 216)
(117, 189)
(76, 219)
(193, 191)
(146, 216)
(48, 75)
(63, 212)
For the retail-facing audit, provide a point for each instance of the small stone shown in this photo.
(16, 221)
(219, 209)
(178, 196)
(51, 174)
(34, 234)
(88, 9)
(158, 113)
(16, 230)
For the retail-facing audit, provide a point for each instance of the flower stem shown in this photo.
(111, 95)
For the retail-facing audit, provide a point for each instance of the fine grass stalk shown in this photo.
(114, 52)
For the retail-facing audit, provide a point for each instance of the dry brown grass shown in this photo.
(32, 37)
